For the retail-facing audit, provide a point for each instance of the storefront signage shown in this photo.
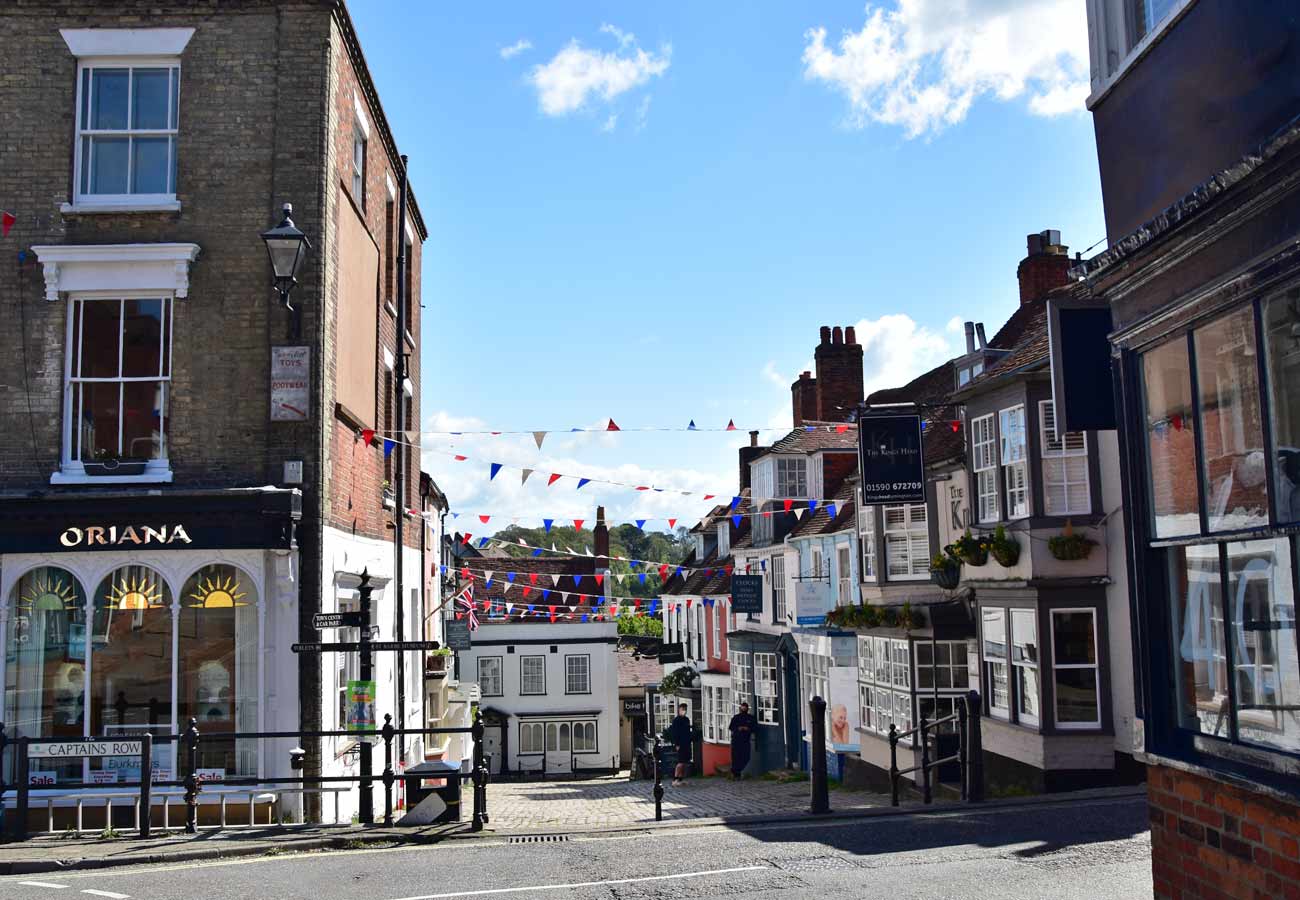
(336, 620)
(361, 705)
(116, 535)
(634, 707)
(672, 653)
(290, 384)
(457, 635)
(42, 779)
(77, 749)
(210, 776)
(747, 593)
(890, 458)
(812, 601)
(103, 776)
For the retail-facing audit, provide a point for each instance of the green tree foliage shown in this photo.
(641, 626)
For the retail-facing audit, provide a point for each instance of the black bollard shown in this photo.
(388, 770)
(146, 783)
(821, 797)
(974, 749)
(192, 777)
(479, 774)
(659, 783)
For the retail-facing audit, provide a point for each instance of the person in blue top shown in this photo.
(680, 733)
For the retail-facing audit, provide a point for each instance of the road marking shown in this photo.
(57, 887)
(109, 894)
(579, 884)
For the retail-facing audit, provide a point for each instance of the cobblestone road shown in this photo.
(618, 801)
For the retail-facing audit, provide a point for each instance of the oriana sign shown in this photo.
(119, 535)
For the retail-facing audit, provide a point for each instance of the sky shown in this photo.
(644, 212)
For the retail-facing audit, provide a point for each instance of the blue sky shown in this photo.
(646, 211)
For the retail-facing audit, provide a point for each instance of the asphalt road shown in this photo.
(1077, 849)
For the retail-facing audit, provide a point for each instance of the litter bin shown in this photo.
(416, 790)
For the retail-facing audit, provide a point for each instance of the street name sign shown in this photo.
(354, 646)
(336, 620)
(77, 749)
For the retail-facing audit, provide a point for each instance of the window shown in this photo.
(1065, 467)
(489, 676)
(884, 684)
(358, 165)
(389, 413)
(815, 678)
(791, 476)
(530, 737)
(577, 674)
(390, 255)
(584, 737)
(724, 539)
(907, 542)
(778, 589)
(816, 564)
(717, 714)
(119, 382)
(347, 665)
(1024, 662)
(996, 676)
(742, 679)
(765, 692)
(557, 736)
(1170, 440)
(1011, 428)
(700, 643)
(716, 614)
(942, 665)
(1147, 14)
(126, 132)
(532, 675)
(1074, 668)
(1281, 316)
(986, 474)
(867, 537)
(844, 560)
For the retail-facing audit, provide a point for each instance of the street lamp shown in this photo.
(287, 245)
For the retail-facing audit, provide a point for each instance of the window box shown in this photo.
(119, 467)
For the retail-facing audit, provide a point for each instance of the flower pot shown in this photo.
(974, 557)
(1007, 554)
(946, 577)
(1070, 547)
(116, 467)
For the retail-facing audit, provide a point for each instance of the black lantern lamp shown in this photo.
(287, 246)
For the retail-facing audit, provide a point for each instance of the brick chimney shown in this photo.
(839, 374)
(601, 538)
(1046, 267)
(804, 395)
(747, 455)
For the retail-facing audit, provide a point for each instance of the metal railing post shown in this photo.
(659, 781)
(974, 750)
(4, 742)
(925, 762)
(24, 781)
(962, 759)
(192, 777)
(388, 770)
(821, 797)
(146, 783)
(893, 764)
(366, 671)
(480, 790)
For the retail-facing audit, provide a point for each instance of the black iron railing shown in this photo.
(969, 756)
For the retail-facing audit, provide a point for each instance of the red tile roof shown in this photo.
(638, 672)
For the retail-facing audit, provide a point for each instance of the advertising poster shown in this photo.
(290, 384)
(361, 705)
(842, 707)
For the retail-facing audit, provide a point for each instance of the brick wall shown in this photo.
(1212, 840)
(839, 374)
(803, 395)
(1040, 273)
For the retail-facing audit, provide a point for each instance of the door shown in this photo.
(559, 748)
(492, 748)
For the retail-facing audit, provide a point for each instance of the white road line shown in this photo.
(109, 894)
(578, 884)
(57, 887)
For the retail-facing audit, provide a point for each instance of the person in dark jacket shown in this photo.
(680, 732)
(742, 739)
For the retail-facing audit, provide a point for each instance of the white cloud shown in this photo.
(611, 123)
(922, 65)
(577, 75)
(955, 325)
(516, 48)
(643, 113)
(895, 349)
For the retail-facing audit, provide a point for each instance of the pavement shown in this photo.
(1064, 846)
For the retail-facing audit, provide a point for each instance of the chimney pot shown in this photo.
(826, 334)
(850, 335)
(753, 439)
(1035, 243)
(970, 337)
(979, 333)
(837, 335)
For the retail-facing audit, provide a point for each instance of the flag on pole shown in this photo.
(465, 603)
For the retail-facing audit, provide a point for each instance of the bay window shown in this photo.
(986, 472)
(1075, 675)
(765, 688)
(907, 542)
(1066, 490)
(717, 714)
(996, 674)
(942, 679)
(1011, 430)
(1024, 662)
(867, 538)
(884, 684)
(742, 679)
(127, 124)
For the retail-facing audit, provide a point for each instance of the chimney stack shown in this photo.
(839, 374)
(1045, 268)
(601, 538)
(803, 394)
(970, 337)
(979, 334)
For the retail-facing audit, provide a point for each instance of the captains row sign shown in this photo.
(76, 749)
(114, 535)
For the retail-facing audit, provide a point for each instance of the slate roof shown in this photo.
(801, 440)
(820, 522)
(638, 672)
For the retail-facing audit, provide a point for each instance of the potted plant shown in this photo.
(970, 550)
(945, 570)
(910, 616)
(436, 661)
(1069, 546)
(1004, 549)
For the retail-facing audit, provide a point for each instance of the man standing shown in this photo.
(680, 734)
(742, 734)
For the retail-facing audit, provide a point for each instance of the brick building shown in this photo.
(168, 446)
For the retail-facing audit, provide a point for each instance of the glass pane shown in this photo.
(101, 328)
(1024, 636)
(149, 170)
(131, 670)
(1072, 639)
(1264, 643)
(84, 121)
(1027, 699)
(108, 165)
(142, 337)
(149, 106)
(45, 650)
(108, 98)
(100, 414)
(1282, 349)
(143, 408)
(550, 737)
(175, 95)
(995, 633)
(1232, 435)
(1076, 695)
(1171, 442)
(218, 665)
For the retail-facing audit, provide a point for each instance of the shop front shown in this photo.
(129, 615)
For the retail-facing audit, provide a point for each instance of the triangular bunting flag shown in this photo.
(388, 447)
(487, 578)
(484, 519)
(523, 478)
(581, 482)
(640, 524)
(577, 524)
(600, 579)
(612, 427)
(7, 220)
(460, 458)
(496, 467)
(368, 436)
(788, 504)
(532, 577)
(691, 427)
(812, 505)
(731, 425)
(539, 436)
(555, 579)
(840, 429)
(736, 520)
(510, 576)
(555, 476)
(709, 496)
(547, 523)
(735, 501)
(672, 523)
(830, 510)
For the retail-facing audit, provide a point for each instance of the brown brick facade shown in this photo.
(1211, 840)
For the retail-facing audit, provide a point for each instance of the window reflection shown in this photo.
(1170, 440)
(1282, 338)
(1264, 642)
(1201, 667)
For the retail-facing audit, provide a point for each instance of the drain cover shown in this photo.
(538, 839)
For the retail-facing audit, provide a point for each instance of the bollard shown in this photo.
(23, 776)
(192, 777)
(479, 774)
(925, 762)
(388, 770)
(893, 764)
(821, 797)
(146, 783)
(974, 750)
(659, 782)
(962, 727)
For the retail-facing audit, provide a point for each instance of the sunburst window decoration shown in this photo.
(216, 587)
(133, 588)
(49, 589)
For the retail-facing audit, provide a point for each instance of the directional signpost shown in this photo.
(354, 646)
(336, 620)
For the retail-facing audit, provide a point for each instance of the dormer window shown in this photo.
(791, 476)
(724, 539)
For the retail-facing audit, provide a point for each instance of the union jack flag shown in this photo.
(465, 603)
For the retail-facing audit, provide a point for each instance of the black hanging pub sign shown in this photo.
(890, 458)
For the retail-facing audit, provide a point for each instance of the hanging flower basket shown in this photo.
(945, 571)
(1004, 549)
(1070, 546)
(972, 551)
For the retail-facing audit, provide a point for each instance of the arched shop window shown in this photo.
(131, 666)
(217, 671)
(45, 664)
